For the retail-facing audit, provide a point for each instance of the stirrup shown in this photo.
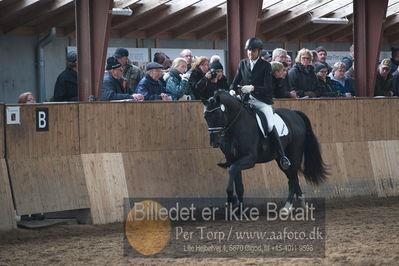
(285, 163)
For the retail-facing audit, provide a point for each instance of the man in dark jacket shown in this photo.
(384, 82)
(256, 76)
(150, 86)
(131, 73)
(113, 86)
(322, 58)
(66, 86)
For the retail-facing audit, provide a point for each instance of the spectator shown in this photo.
(350, 74)
(265, 55)
(322, 57)
(150, 86)
(26, 97)
(384, 81)
(301, 76)
(200, 76)
(167, 63)
(396, 83)
(159, 57)
(281, 88)
(324, 81)
(218, 80)
(348, 60)
(177, 82)
(394, 59)
(279, 54)
(131, 73)
(315, 57)
(188, 55)
(289, 62)
(339, 82)
(113, 86)
(66, 86)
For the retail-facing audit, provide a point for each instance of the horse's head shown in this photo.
(215, 114)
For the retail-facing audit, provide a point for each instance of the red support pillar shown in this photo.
(93, 22)
(242, 24)
(369, 16)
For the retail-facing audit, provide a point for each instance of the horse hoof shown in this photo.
(287, 209)
(302, 201)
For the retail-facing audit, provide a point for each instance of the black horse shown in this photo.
(233, 128)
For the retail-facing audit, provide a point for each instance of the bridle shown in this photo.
(222, 130)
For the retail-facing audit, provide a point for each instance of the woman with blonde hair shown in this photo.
(177, 81)
(301, 76)
(26, 97)
(200, 76)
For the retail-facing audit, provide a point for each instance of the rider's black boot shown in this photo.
(284, 161)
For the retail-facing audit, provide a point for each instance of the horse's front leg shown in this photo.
(235, 177)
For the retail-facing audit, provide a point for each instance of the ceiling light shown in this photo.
(330, 20)
(122, 11)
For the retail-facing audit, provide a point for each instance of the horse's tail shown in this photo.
(314, 169)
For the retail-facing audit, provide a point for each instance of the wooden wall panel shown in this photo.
(385, 161)
(175, 173)
(23, 141)
(106, 183)
(7, 219)
(48, 184)
(147, 126)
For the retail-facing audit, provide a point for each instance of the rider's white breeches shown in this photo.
(266, 109)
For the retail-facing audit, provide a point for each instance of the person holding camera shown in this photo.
(204, 81)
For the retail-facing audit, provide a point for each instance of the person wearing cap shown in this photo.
(255, 75)
(218, 81)
(66, 85)
(265, 55)
(150, 86)
(113, 86)
(384, 80)
(131, 73)
(322, 57)
(324, 81)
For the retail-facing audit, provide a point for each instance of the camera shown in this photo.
(213, 73)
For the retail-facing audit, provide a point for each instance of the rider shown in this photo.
(256, 76)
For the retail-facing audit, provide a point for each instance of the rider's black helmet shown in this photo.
(253, 44)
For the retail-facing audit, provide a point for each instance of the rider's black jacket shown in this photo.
(260, 77)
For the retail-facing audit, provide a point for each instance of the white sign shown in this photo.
(336, 56)
(13, 117)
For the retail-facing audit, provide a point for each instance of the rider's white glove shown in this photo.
(232, 92)
(247, 88)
